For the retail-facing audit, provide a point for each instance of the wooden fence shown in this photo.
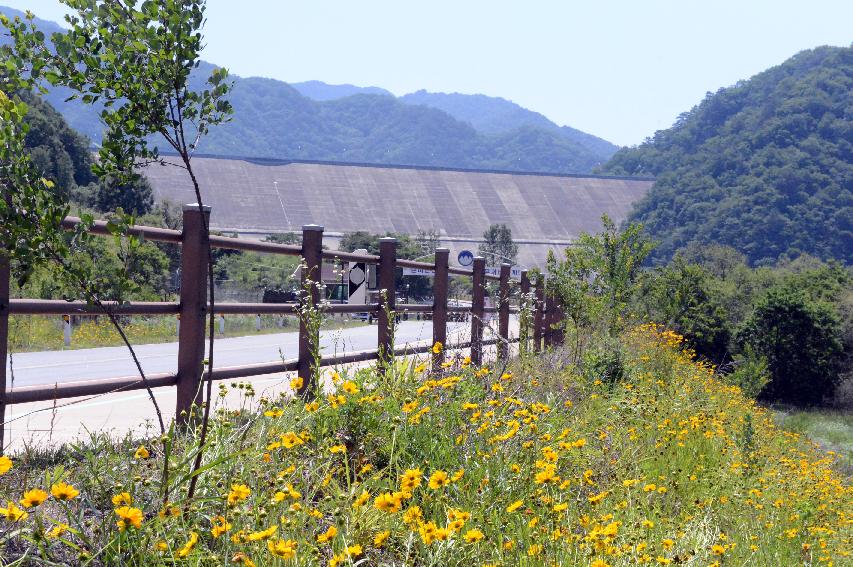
(193, 307)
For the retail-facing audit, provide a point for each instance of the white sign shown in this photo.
(417, 272)
(514, 272)
(358, 281)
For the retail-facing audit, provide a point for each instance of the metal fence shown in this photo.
(193, 307)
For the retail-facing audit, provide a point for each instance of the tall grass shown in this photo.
(538, 465)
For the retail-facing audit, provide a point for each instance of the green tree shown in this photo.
(682, 297)
(135, 60)
(131, 193)
(498, 246)
(801, 341)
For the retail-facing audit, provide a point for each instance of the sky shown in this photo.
(618, 69)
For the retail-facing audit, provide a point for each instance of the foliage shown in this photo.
(750, 372)
(802, 343)
(451, 469)
(273, 119)
(598, 274)
(498, 246)
(765, 166)
(682, 297)
(132, 194)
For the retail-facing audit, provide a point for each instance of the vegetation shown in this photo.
(497, 246)
(782, 334)
(525, 467)
(764, 166)
(272, 119)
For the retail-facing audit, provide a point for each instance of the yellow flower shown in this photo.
(243, 559)
(350, 387)
(354, 550)
(5, 464)
(57, 530)
(420, 368)
(380, 538)
(285, 549)
(473, 536)
(263, 534)
(141, 453)
(338, 449)
(514, 506)
(411, 479)
(649, 488)
(62, 491)
(13, 513)
(122, 499)
(437, 347)
(238, 492)
(128, 515)
(667, 543)
(361, 500)
(219, 526)
(327, 535)
(718, 549)
(388, 502)
(297, 383)
(438, 480)
(647, 524)
(161, 546)
(33, 498)
(599, 563)
(188, 547)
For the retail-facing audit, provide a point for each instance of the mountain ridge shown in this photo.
(364, 124)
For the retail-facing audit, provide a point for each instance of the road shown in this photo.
(52, 367)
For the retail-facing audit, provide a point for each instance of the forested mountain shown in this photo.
(765, 166)
(273, 119)
(495, 115)
(318, 90)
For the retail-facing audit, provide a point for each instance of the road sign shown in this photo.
(357, 282)
(417, 272)
(514, 272)
(465, 258)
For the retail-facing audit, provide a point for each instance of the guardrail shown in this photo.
(193, 307)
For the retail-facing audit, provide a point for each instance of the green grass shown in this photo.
(41, 333)
(832, 430)
(548, 464)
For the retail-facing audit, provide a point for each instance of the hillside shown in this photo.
(495, 115)
(318, 90)
(765, 166)
(273, 119)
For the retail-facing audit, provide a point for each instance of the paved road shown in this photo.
(88, 364)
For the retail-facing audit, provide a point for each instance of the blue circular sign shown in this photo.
(465, 258)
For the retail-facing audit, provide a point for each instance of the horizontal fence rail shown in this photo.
(193, 307)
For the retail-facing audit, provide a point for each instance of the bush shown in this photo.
(801, 341)
(750, 373)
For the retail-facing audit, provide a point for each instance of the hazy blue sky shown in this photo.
(620, 70)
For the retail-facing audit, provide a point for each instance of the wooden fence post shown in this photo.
(523, 321)
(193, 308)
(503, 312)
(312, 277)
(439, 307)
(478, 312)
(550, 309)
(539, 314)
(387, 300)
(4, 344)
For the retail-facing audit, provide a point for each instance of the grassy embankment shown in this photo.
(537, 466)
(29, 334)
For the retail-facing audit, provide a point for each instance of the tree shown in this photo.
(131, 193)
(801, 341)
(135, 60)
(498, 246)
(681, 296)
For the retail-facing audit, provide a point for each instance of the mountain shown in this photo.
(765, 166)
(318, 90)
(495, 115)
(354, 124)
